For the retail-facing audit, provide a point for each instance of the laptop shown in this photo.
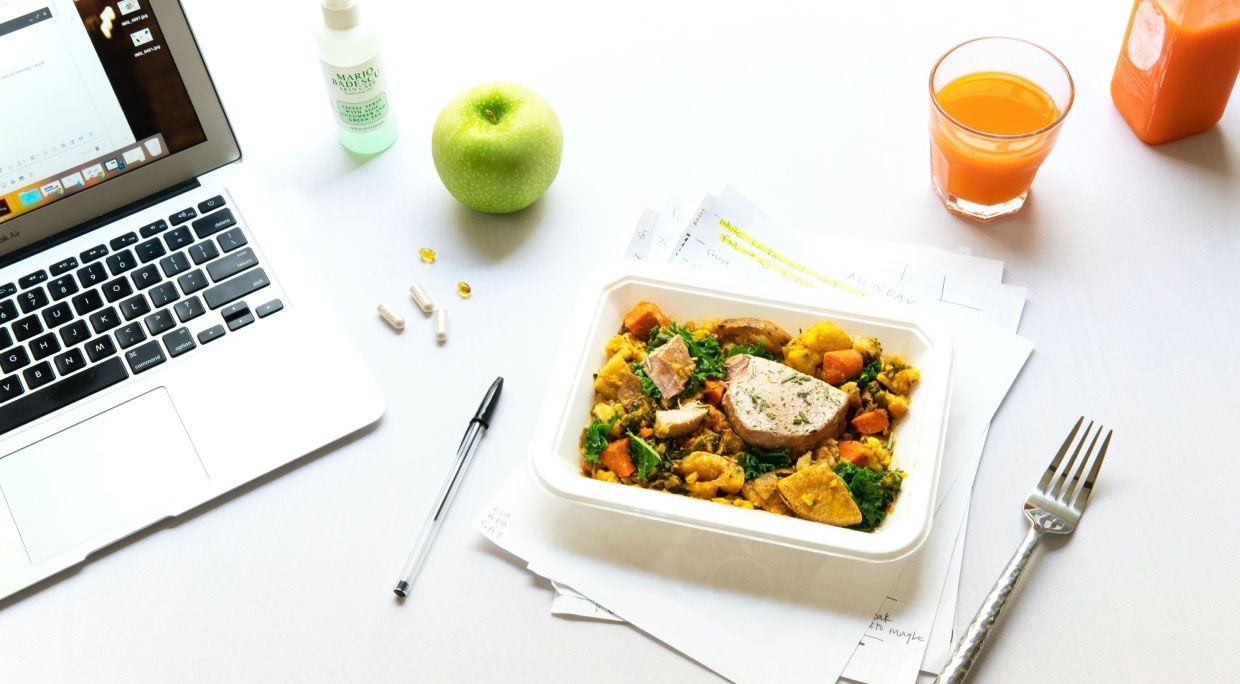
(160, 342)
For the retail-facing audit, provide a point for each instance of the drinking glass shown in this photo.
(996, 105)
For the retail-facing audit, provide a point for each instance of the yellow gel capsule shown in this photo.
(427, 255)
(463, 289)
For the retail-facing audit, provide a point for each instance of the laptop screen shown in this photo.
(89, 91)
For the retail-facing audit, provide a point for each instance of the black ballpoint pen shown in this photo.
(469, 443)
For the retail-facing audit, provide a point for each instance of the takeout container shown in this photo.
(688, 294)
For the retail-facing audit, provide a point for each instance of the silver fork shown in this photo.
(1054, 507)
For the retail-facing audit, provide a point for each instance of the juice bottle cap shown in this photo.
(340, 14)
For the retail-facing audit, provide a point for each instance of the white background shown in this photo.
(815, 111)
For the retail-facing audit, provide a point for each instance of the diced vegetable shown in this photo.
(854, 452)
(643, 318)
(712, 392)
(871, 422)
(842, 365)
(616, 458)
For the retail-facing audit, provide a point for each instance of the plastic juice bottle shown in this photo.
(349, 52)
(1177, 66)
(995, 155)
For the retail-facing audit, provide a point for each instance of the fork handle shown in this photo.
(970, 644)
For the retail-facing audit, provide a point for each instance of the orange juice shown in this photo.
(1177, 66)
(990, 131)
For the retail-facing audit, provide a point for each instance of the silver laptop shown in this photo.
(160, 344)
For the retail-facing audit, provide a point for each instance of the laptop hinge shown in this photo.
(97, 222)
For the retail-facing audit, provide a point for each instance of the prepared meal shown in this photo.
(741, 412)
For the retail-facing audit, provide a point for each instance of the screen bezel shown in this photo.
(220, 148)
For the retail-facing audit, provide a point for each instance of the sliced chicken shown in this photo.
(678, 422)
(670, 366)
(773, 406)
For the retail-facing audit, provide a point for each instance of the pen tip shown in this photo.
(401, 589)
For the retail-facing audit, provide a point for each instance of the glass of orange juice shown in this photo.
(996, 105)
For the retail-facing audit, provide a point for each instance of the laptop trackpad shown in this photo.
(105, 471)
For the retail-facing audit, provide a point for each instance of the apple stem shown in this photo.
(491, 115)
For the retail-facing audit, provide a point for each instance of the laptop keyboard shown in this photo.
(119, 309)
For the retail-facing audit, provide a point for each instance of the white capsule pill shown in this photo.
(423, 300)
(396, 322)
(441, 325)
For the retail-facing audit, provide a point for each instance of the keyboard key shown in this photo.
(105, 320)
(241, 321)
(6, 340)
(62, 287)
(179, 341)
(214, 223)
(178, 238)
(69, 362)
(236, 288)
(174, 264)
(265, 310)
(8, 289)
(121, 261)
(74, 333)
(63, 266)
(193, 281)
(99, 348)
(13, 359)
(145, 357)
(32, 279)
(93, 254)
(32, 299)
(134, 306)
(237, 315)
(44, 346)
(10, 388)
(159, 321)
(211, 334)
(152, 228)
(123, 241)
(26, 328)
(232, 239)
(57, 315)
(87, 302)
(190, 308)
(8, 311)
(212, 204)
(150, 250)
(202, 252)
(129, 335)
(146, 276)
(67, 391)
(183, 216)
(91, 275)
(163, 294)
(232, 264)
(116, 289)
(37, 376)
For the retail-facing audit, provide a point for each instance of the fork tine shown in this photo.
(1050, 470)
(1082, 499)
(1071, 485)
(1060, 486)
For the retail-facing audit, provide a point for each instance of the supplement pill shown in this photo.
(423, 300)
(396, 322)
(427, 255)
(441, 325)
(463, 289)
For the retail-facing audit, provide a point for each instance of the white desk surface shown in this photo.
(815, 111)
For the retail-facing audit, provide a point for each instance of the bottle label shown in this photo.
(1145, 38)
(357, 94)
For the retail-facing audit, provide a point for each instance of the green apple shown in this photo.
(497, 147)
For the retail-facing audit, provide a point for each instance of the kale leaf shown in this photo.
(873, 491)
(760, 461)
(644, 455)
(752, 350)
(596, 438)
(868, 373)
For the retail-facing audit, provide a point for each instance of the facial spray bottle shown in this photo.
(353, 72)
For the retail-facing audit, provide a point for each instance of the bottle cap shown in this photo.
(340, 14)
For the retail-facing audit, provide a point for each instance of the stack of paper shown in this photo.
(832, 617)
